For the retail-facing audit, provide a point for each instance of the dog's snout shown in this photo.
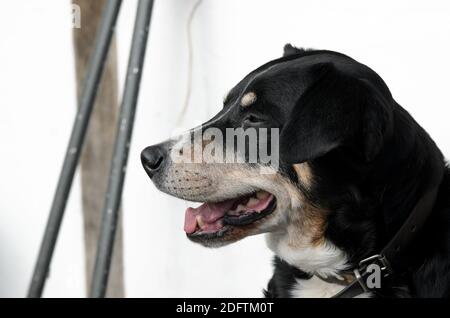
(152, 159)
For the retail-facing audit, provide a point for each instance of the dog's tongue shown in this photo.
(209, 213)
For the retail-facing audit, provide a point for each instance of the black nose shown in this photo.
(152, 159)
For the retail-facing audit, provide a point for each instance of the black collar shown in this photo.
(390, 260)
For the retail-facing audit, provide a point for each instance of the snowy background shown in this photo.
(406, 42)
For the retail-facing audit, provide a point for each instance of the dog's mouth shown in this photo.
(212, 219)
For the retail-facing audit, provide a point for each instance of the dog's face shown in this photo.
(312, 111)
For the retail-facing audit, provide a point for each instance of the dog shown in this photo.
(353, 167)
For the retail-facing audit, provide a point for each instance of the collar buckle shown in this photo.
(361, 273)
(379, 260)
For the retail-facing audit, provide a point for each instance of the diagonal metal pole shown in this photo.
(92, 80)
(121, 149)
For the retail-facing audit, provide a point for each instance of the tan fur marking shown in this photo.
(307, 226)
(248, 99)
(304, 174)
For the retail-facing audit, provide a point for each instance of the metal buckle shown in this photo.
(378, 259)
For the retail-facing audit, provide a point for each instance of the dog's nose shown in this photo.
(152, 159)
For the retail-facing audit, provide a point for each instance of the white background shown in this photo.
(406, 42)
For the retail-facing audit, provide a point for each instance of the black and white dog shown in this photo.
(353, 164)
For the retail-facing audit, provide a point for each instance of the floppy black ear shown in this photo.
(338, 110)
(291, 50)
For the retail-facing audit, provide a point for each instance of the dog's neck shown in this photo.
(301, 242)
(408, 167)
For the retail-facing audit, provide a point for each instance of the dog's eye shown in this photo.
(252, 119)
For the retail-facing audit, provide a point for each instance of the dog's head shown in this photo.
(321, 119)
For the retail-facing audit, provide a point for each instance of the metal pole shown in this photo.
(121, 148)
(92, 80)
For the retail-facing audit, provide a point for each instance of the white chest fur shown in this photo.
(324, 259)
(314, 288)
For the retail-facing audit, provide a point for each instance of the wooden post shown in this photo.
(96, 156)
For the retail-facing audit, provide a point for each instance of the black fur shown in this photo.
(283, 279)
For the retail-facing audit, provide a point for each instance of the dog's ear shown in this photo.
(291, 50)
(337, 110)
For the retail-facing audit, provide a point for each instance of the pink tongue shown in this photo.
(210, 213)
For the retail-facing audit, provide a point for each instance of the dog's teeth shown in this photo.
(200, 222)
(262, 194)
(252, 201)
(240, 208)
